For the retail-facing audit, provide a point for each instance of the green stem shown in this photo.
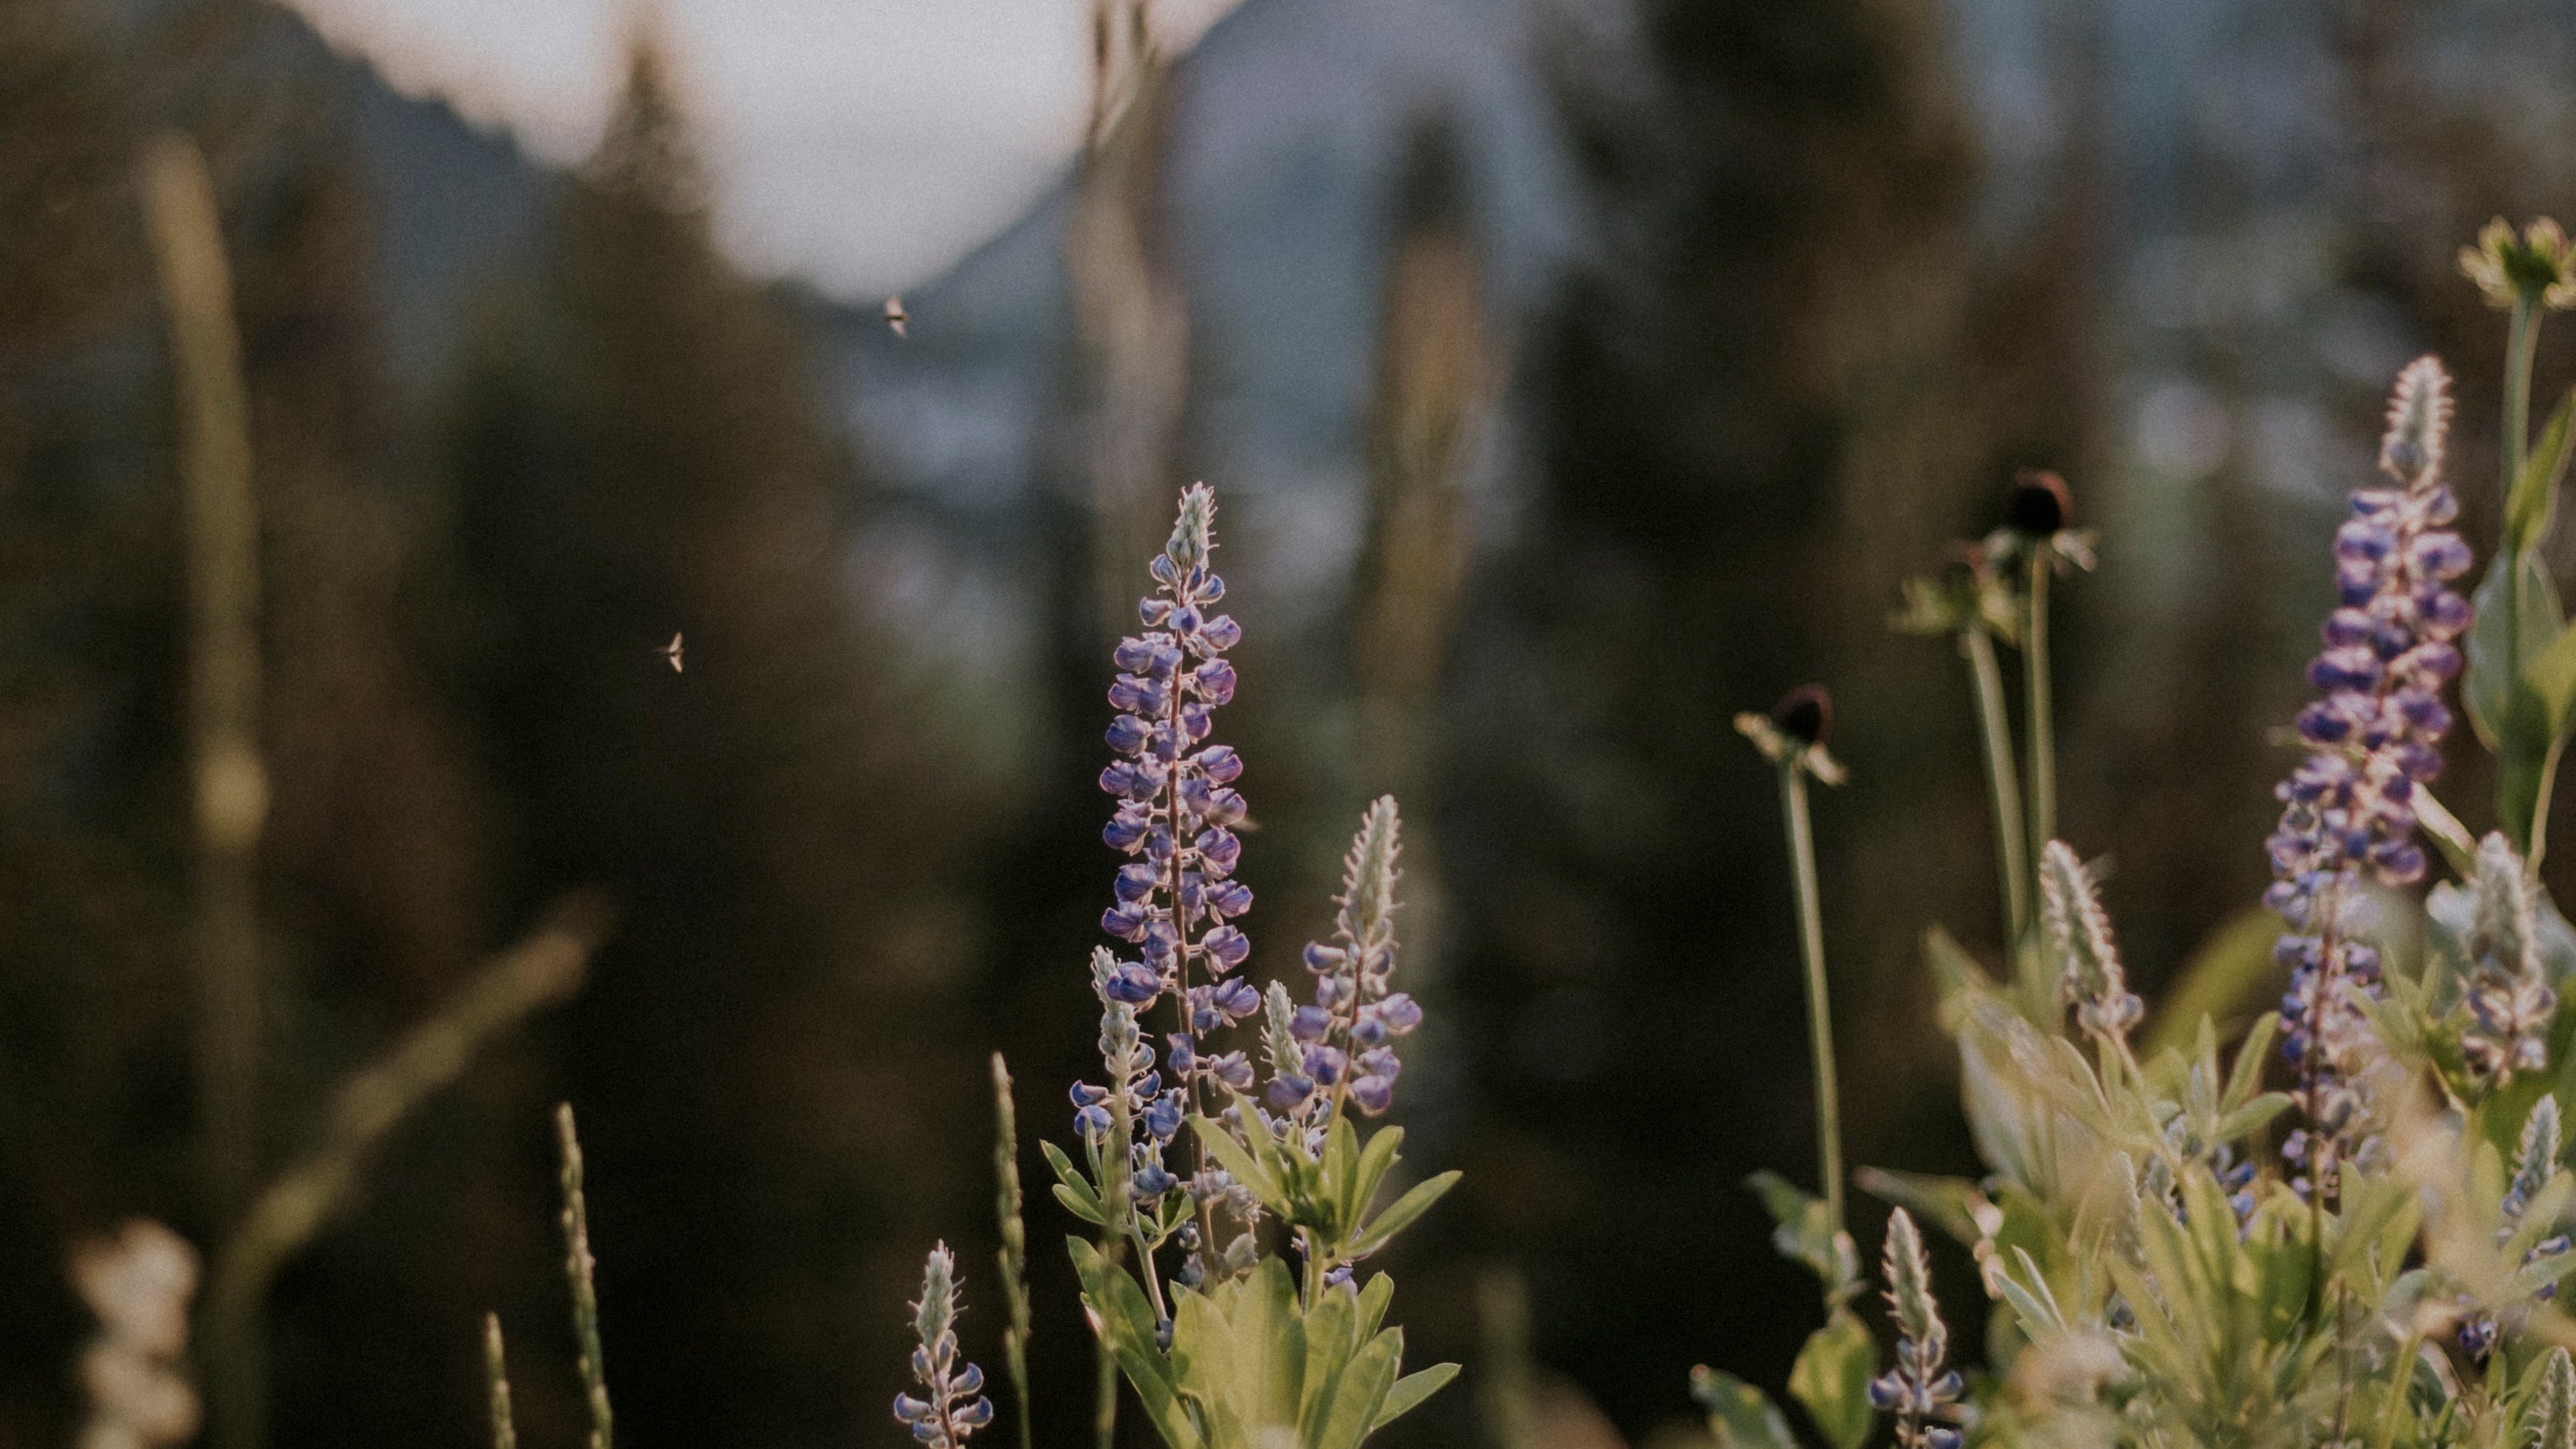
(1820, 1024)
(2043, 731)
(2003, 783)
(2522, 340)
(1104, 1413)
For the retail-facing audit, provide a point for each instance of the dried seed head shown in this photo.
(1804, 714)
(2039, 504)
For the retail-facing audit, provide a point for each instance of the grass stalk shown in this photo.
(580, 1268)
(1013, 1258)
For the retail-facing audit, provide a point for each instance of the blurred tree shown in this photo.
(1752, 425)
(763, 1078)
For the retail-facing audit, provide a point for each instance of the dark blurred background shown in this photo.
(1573, 373)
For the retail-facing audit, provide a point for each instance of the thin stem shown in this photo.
(2540, 806)
(1820, 1026)
(2042, 729)
(2003, 783)
(2522, 336)
(2395, 1403)
(2522, 340)
(1104, 1413)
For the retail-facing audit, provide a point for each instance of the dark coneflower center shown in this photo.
(2039, 505)
(1804, 714)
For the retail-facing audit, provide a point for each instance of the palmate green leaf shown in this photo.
(1831, 1379)
(1072, 1188)
(1358, 1188)
(1239, 1356)
(1740, 1416)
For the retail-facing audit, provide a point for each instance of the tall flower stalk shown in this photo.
(1176, 805)
(1792, 737)
(2348, 810)
(951, 1405)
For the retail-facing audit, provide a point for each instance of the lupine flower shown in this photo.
(2538, 267)
(2510, 1003)
(1131, 1083)
(2348, 808)
(955, 1406)
(1918, 1388)
(2079, 942)
(1177, 897)
(1341, 1046)
(2534, 1163)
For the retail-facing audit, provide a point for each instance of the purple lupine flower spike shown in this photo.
(2348, 811)
(955, 1406)
(1175, 795)
(1341, 1046)
(1177, 900)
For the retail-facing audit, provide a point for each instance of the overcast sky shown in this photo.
(861, 144)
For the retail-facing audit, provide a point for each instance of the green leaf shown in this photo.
(2252, 1117)
(1948, 1203)
(1081, 1204)
(1375, 1161)
(2498, 643)
(1831, 1378)
(1409, 1391)
(2552, 676)
(1400, 1213)
(1231, 1155)
(2527, 507)
(1122, 1317)
(1360, 1395)
(1806, 1231)
(2550, 1422)
(1740, 1416)
(2229, 974)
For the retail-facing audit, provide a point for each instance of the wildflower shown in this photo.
(956, 1406)
(2537, 268)
(1918, 1388)
(2079, 940)
(1342, 1046)
(2535, 1161)
(1134, 1095)
(1794, 732)
(1176, 805)
(2348, 808)
(2510, 1003)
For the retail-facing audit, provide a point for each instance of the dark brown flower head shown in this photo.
(2039, 504)
(1805, 714)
